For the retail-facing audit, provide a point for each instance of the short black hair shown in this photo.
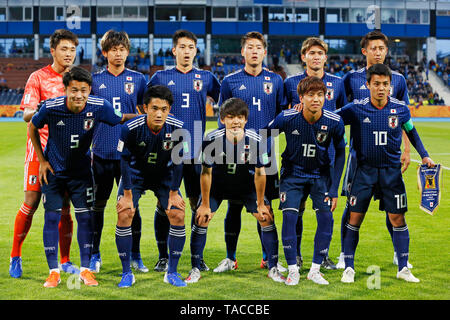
(62, 34)
(373, 35)
(158, 92)
(233, 107)
(183, 34)
(378, 69)
(78, 74)
(114, 38)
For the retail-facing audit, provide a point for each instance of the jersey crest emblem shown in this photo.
(167, 145)
(268, 87)
(321, 136)
(245, 156)
(129, 87)
(330, 94)
(393, 122)
(88, 124)
(198, 85)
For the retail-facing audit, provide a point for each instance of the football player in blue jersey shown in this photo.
(374, 46)
(263, 92)
(233, 168)
(124, 89)
(307, 169)
(65, 164)
(376, 125)
(190, 87)
(314, 55)
(146, 145)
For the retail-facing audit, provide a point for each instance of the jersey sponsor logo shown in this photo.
(283, 196)
(295, 132)
(242, 87)
(32, 180)
(321, 136)
(171, 83)
(27, 98)
(367, 120)
(142, 144)
(268, 87)
(393, 122)
(330, 94)
(363, 87)
(102, 86)
(60, 123)
(352, 201)
(88, 124)
(198, 85)
(391, 90)
(129, 87)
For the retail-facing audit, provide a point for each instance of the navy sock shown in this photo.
(401, 245)
(161, 226)
(289, 236)
(264, 251)
(51, 237)
(232, 228)
(136, 227)
(84, 236)
(344, 220)
(322, 238)
(299, 231)
(123, 243)
(350, 243)
(198, 242)
(269, 237)
(389, 227)
(176, 240)
(97, 219)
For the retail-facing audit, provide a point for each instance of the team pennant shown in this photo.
(429, 182)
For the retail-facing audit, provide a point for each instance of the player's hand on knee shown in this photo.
(125, 203)
(203, 214)
(176, 200)
(44, 168)
(429, 162)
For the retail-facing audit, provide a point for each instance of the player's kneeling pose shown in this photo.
(65, 166)
(233, 169)
(147, 144)
(306, 170)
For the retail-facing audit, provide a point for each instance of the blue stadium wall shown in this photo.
(235, 28)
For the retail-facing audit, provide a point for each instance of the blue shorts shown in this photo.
(105, 172)
(79, 189)
(294, 190)
(139, 187)
(191, 177)
(272, 190)
(387, 183)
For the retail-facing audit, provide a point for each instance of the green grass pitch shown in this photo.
(428, 247)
